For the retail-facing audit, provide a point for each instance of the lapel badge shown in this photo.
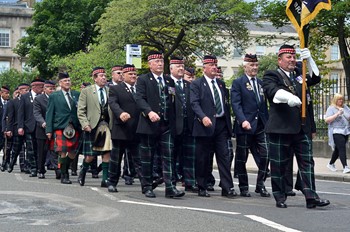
(248, 86)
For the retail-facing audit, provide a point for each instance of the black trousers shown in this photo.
(340, 149)
(42, 147)
(217, 143)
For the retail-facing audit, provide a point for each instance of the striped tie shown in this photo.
(217, 99)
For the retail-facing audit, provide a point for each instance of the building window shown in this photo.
(4, 66)
(237, 52)
(335, 52)
(260, 50)
(334, 77)
(4, 37)
(24, 33)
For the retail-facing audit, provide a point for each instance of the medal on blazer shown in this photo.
(249, 87)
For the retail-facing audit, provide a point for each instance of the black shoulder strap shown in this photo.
(287, 82)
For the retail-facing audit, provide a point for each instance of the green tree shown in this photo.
(13, 78)
(80, 64)
(59, 28)
(327, 28)
(182, 27)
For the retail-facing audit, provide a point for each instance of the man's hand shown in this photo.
(43, 125)
(246, 125)
(20, 131)
(8, 134)
(49, 136)
(207, 122)
(124, 116)
(153, 116)
(87, 128)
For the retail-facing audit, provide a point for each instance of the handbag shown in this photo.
(69, 131)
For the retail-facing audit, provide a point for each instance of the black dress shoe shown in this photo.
(281, 205)
(193, 189)
(203, 193)
(81, 178)
(290, 193)
(229, 194)
(58, 174)
(149, 193)
(112, 189)
(316, 202)
(157, 182)
(41, 176)
(65, 179)
(104, 184)
(74, 173)
(263, 192)
(210, 188)
(174, 193)
(33, 174)
(129, 181)
(245, 193)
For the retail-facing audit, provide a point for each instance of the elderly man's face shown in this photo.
(177, 70)
(65, 84)
(287, 62)
(210, 70)
(100, 79)
(251, 68)
(38, 88)
(156, 66)
(117, 76)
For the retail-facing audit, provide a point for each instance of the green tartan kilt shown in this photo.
(86, 143)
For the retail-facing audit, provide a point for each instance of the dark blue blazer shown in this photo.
(203, 105)
(180, 102)
(245, 105)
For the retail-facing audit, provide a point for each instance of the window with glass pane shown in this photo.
(4, 37)
(260, 50)
(335, 52)
(335, 83)
(4, 65)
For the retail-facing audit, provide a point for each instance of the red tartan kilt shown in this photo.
(62, 144)
(50, 144)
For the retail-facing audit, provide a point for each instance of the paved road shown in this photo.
(29, 204)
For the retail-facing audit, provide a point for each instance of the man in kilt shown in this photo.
(27, 124)
(123, 105)
(284, 127)
(155, 97)
(61, 118)
(94, 114)
(184, 143)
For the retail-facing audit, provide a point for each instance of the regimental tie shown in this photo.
(102, 98)
(256, 90)
(217, 99)
(179, 84)
(160, 83)
(71, 102)
(132, 88)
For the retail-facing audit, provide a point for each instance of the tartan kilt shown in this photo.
(62, 144)
(86, 144)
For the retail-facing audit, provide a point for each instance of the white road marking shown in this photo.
(271, 224)
(179, 207)
(104, 194)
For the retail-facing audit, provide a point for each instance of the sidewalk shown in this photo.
(321, 171)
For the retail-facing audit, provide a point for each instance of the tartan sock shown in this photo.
(105, 166)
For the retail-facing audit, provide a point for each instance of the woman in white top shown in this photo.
(337, 117)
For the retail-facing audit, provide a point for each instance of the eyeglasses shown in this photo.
(118, 73)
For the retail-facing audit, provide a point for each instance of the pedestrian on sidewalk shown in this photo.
(337, 117)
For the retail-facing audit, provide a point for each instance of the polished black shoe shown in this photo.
(129, 180)
(81, 178)
(229, 194)
(157, 182)
(245, 193)
(281, 205)
(10, 168)
(4, 167)
(210, 188)
(104, 184)
(316, 202)
(290, 193)
(33, 174)
(65, 179)
(149, 193)
(203, 193)
(193, 189)
(263, 192)
(41, 176)
(74, 173)
(112, 189)
(174, 193)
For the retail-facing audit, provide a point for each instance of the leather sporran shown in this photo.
(69, 131)
(103, 141)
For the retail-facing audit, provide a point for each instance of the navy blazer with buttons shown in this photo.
(245, 105)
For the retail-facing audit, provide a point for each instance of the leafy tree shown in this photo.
(13, 78)
(327, 28)
(80, 64)
(59, 28)
(182, 27)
